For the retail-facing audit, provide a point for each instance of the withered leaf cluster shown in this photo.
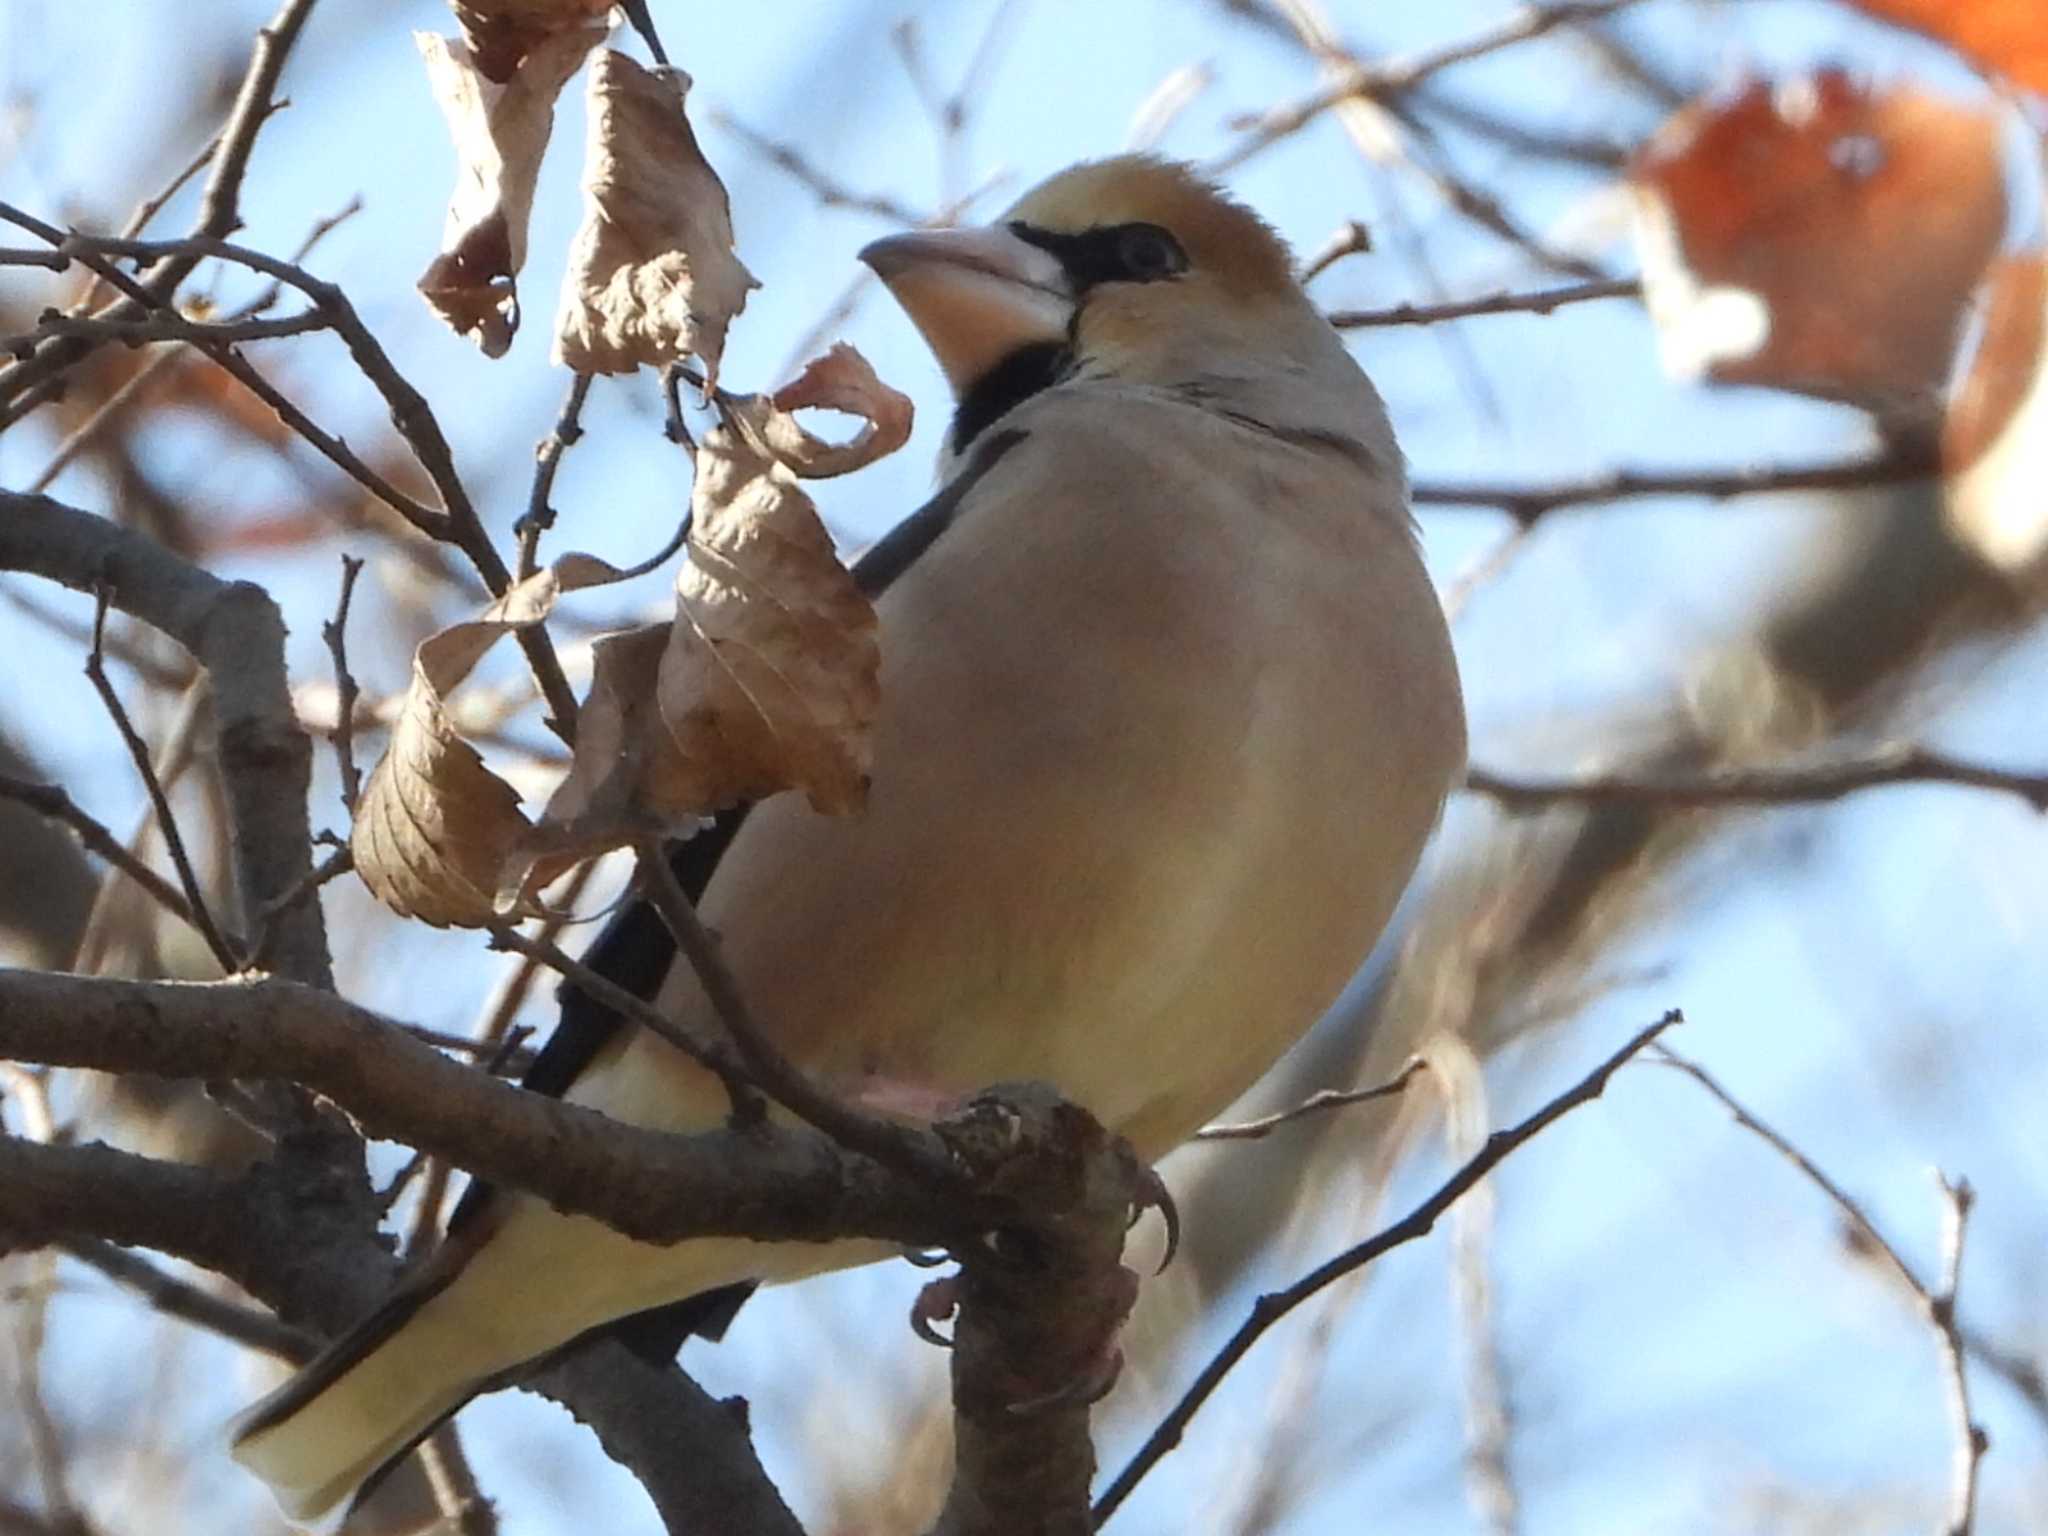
(766, 679)
(1854, 242)
(767, 676)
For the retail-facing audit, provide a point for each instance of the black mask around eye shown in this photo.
(1114, 253)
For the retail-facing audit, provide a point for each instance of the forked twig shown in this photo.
(1273, 1306)
(201, 916)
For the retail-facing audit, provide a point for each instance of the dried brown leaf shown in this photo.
(1818, 237)
(772, 674)
(652, 275)
(500, 133)
(501, 33)
(2007, 37)
(1994, 444)
(626, 780)
(841, 380)
(434, 824)
(768, 679)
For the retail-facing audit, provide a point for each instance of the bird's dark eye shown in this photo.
(1148, 253)
(1110, 253)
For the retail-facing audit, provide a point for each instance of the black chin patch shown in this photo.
(1010, 383)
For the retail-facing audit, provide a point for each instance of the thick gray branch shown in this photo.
(769, 1182)
(266, 1232)
(234, 630)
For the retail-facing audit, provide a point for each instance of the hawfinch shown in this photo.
(1169, 711)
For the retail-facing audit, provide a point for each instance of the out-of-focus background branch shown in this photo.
(1674, 325)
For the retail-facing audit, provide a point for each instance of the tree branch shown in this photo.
(1936, 1303)
(1314, 1104)
(50, 800)
(889, 1142)
(269, 1231)
(219, 208)
(1542, 301)
(1759, 786)
(1273, 1306)
(1039, 1314)
(228, 956)
(768, 1182)
(234, 630)
(458, 523)
(1527, 503)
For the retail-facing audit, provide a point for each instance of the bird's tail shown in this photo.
(364, 1401)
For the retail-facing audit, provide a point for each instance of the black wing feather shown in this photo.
(635, 950)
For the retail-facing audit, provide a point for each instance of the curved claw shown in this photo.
(1154, 1195)
(935, 1303)
(926, 1258)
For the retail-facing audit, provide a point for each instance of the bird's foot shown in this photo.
(1092, 1384)
(937, 1302)
(1153, 1195)
(903, 1098)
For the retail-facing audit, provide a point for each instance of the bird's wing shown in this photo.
(635, 950)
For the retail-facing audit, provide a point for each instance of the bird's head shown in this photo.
(1131, 268)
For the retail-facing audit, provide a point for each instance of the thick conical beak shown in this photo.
(977, 294)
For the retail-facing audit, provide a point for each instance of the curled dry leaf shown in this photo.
(433, 823)
(1819, 238)
(652, 274)
(773, 669)
(500, 132)
(768, 679)
(2006, 37)
(841, 380)
(502, 33)
(1994, 443)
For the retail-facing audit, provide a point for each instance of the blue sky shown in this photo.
(1678, 1326)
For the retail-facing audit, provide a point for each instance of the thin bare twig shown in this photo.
(1970, 1442)
(518, 1061)
(1542, 301)
(164, 325)
(175, 755)
(225, 954)
(1315, 1103)
(547, 458)
(30, 1317)
(50, 800)
(1811, 785)
(249, 1326)
(1163, 105)
(1486, 570)
(1528, 503)
(1395, 77)
(1936, 1303)
(716, 1055)
(1489, 1480)
(458, 1497)
(829, 192)
(17, 256)
(152, 205)
(1586, 152)
(131, 389)
(888, 1143)
(509, 996)
(267, 925)
(1351, 238)
(219, 208)
(79, 437)
(457, 522)
(343, 736)
(1273, 1306)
